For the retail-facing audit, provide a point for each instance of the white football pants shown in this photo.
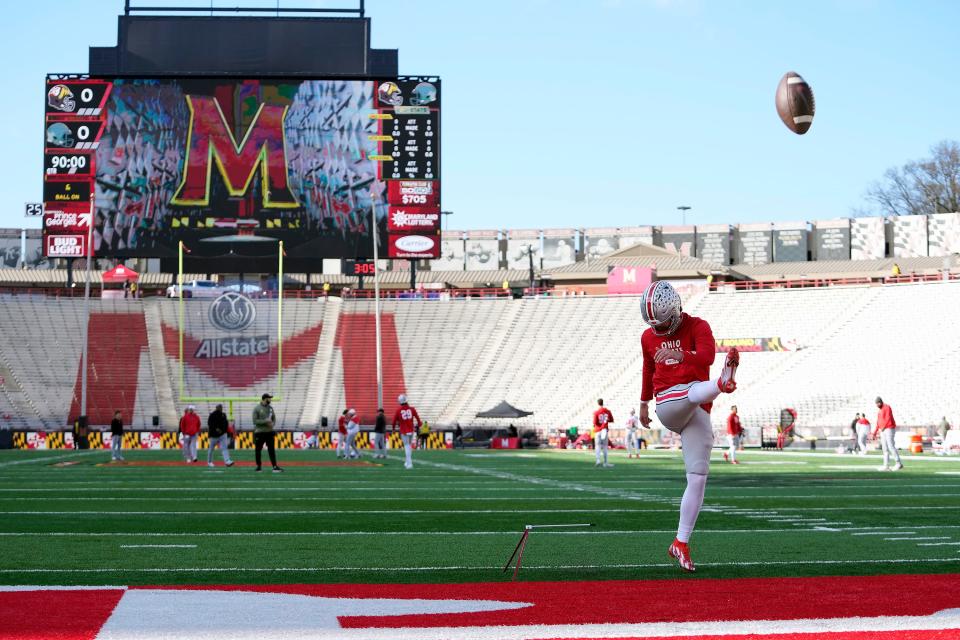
(889, 446)
(601, 443)
(407, 439)
(734, 445)
(862, 432)
(190, 447)
(678, 409)
(350, 450)
(633, 442)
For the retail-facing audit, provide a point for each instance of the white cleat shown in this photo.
(883, 468)
(898, 467)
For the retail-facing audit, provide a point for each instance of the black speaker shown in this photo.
(323, 422)
(156, 421)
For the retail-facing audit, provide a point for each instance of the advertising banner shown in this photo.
(629, 280)
(520, 244)
(831, 239)
(713, 243)
(483, 250)
(790, 242)
(559, 248)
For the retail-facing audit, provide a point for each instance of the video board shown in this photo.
(213, 160)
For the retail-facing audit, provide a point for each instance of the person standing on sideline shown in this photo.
(217, 427)
(380, 435)
(457, 436)
(943, 427)
(264, 419)
(422, 434)
(853, 428)
(678, 350)
(633, 442)
(342, 437)
(116, 438)
(887, 426)
(190, 428)
(602, 419)
(353, 430)
(408, 420)
(863, 432)
(734, 434)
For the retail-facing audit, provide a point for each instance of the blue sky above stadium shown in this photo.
(607, 113)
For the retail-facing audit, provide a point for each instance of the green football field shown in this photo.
(73, 518)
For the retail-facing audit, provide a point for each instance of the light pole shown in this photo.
(683, 210)
(530, 259)
(376, 295)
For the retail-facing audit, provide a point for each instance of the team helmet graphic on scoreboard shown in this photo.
(423, 93)
(61, 98)
(59, 135)
(389, 93)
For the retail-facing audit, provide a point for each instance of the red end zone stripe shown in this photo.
(943, 634)
(680, 600)
(65, 615)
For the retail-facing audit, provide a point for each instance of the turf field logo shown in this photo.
(232, 312)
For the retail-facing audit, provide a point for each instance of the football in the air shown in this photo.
(795, 104)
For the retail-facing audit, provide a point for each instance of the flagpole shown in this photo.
(376, 298)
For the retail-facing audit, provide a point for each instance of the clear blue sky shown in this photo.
(607, 112)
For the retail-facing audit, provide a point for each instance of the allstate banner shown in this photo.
(756, 344)
(229, 342)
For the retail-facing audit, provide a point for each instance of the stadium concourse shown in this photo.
(824, 351)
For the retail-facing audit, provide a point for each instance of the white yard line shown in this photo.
(938, 544)
(884, 533)
(920, 538)
(158, 546)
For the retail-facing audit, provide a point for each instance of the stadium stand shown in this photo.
(841, 347)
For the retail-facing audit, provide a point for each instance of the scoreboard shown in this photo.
(156, 161)
(73, 124)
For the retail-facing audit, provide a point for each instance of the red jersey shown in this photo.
(885, 418)
(733, 425)
(405, 417)
(342, 424)
(695, 339)
(864, 422)
(602, 419)
(190, 424)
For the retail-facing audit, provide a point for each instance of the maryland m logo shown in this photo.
(210, 141)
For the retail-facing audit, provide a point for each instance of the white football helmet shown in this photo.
(661, 308)
(402, 399)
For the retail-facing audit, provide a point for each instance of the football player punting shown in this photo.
(678, 350)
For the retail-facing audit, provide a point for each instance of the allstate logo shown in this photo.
(232, 312)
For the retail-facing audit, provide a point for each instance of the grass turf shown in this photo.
(68, 518)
